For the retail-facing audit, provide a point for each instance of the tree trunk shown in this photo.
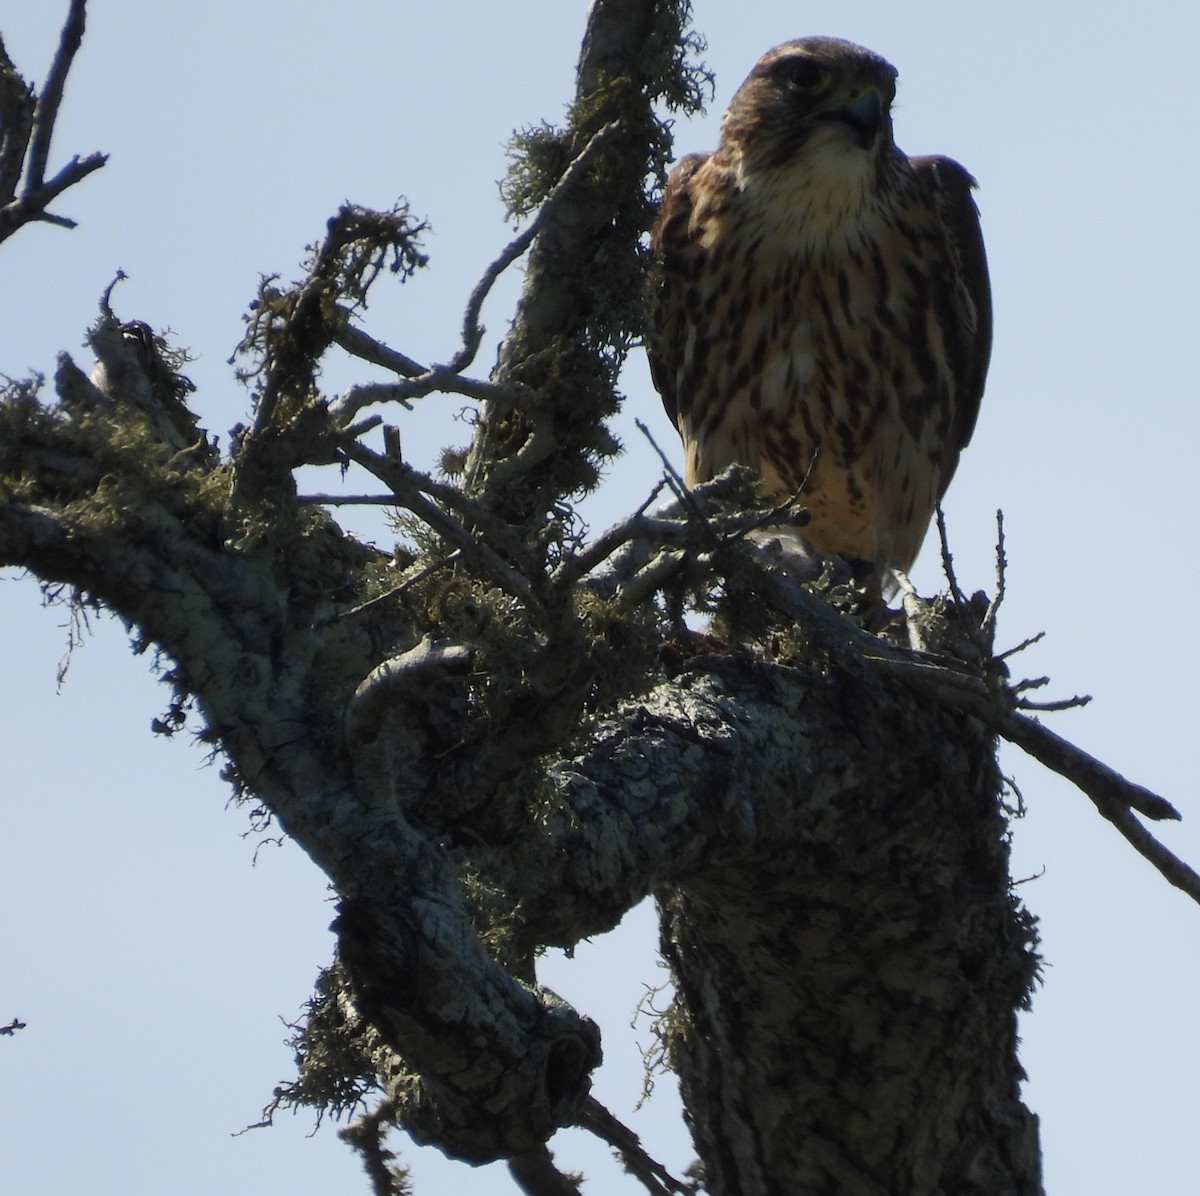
(845, 1013)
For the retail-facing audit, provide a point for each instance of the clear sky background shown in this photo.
(148, 945)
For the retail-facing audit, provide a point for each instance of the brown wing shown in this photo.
(949, 188)
(669, 244)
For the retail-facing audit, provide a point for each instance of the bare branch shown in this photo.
(653, 1176)
(350, 500)
(536, 1175)
(403, 481)
(1025, 643)
(47, 107)
(1106, 787)
(1146, 845)
(410, 581)
(689, 521)
(1072, 703)
(988, 624)
(678, 485)
(364, 346)
(448, 376)
(26, 127)
(433, 381)
(472, 331)
(947, 558)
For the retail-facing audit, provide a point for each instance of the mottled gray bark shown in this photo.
(845, 1012)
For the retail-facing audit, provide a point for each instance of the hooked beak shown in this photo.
(862, 116)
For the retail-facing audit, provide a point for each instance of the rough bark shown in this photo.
(845, 1010)
(497, 739)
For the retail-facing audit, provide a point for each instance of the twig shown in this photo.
(678, 486)
(654, 1177)
(960, 599)
(491, 530)
(579, 564)
(987, 625)
(1072, 703)
(685, 522)
(401, 479)
(351, 500)
(419, 380)
(448, 376)
(436, 379)
(380, 599)
(472, 331)
(1025, 643)
(1030, 683)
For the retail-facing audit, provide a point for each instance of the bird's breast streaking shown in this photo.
(821, 310)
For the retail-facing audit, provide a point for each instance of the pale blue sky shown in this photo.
(152, 961)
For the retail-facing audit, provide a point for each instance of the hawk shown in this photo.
(820, 304)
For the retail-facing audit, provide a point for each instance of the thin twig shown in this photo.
(1072, 703)
(448, 376)
(472, 331)
(685, 522)
(350, 500)
(579, 564)
(1030, 683)
(678, 486)
(1025, 643)
(987, 625)
(959, 597)
(654, 1177)
(437, 379)
(381, 599)
(401, 479)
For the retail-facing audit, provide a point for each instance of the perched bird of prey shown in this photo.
(820, 304)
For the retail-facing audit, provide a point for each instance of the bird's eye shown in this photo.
(805, 75)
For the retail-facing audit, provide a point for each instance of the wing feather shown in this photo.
(949, 188)
(671, 246)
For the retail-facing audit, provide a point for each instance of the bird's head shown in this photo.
(818, 93)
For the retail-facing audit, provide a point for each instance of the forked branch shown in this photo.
(27, 121)
(448, 376)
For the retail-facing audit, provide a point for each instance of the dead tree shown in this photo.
(498, 737)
